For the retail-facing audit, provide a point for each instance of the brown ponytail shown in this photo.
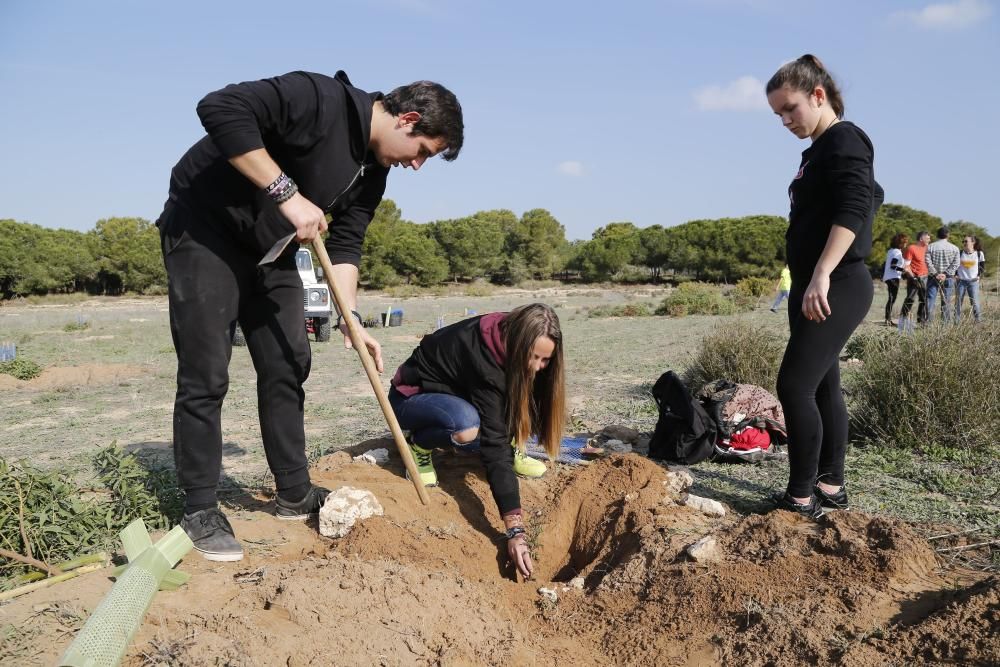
(805, 74)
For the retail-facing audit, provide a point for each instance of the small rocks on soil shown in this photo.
(705, 505)
(676, 485)
(705, 550)
(345, 507)
(374, 456)
(549, 594)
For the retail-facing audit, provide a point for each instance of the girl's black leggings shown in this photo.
(809, 380)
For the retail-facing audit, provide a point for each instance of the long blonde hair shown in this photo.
(536, 402)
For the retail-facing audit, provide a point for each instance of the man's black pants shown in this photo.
(915, 288)
(213, 283)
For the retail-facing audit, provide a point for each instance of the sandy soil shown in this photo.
(431, 585)
(61, 377)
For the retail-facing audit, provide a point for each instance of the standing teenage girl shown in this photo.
(834, 197)
(892, 272)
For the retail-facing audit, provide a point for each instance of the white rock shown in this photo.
(677, 483)
(706, 505)
(345, 507)
(374, 456)
(549, 594)
(705, 550)
(577, 583)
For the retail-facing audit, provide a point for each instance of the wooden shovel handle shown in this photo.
(354, 331)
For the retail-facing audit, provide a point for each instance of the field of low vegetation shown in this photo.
(93, 387)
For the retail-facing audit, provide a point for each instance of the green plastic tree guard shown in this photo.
(105, 638)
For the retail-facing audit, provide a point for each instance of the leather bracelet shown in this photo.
(514, 532)
(340, 318)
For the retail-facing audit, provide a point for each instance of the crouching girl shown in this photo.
(488, 381)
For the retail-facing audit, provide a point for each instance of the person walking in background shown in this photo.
(942, 265)
(893, 271)
(915, 273)
(784, 286)
(834, 197)
(488, 382)
(970, 262)
(278, 156)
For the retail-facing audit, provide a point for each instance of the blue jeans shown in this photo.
(433, 418)
(970, 287)
(782, 295)
(933, 287)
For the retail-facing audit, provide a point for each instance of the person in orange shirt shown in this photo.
(916, 277)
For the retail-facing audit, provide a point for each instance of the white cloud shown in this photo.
(948, 15)
(744, 94)
(570, 168)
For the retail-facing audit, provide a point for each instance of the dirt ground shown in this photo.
(431, 585)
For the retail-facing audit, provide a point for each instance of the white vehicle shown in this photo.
(316, 300)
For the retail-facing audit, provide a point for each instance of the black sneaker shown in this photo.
(212, 535)
(812, 509)
(305, 508)
(834, 501)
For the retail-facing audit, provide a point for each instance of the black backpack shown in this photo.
(684, 433)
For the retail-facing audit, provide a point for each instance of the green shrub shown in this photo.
(699, 299)
(754, 287)
(79, 325)
(21, 368)
(934, 391)
(625, 310)
(738, 352)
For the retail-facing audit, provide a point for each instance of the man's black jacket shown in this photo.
(316, 128)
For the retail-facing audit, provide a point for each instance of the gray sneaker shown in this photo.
(212, 535)
(305, 508)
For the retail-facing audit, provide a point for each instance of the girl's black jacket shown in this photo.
(835, 185)
(457, 360)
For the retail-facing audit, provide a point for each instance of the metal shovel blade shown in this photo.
(276, 250)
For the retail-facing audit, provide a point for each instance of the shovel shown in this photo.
(354, 332)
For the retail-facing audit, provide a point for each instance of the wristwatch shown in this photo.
(340, 318)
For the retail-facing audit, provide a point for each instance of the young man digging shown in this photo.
(279, 155)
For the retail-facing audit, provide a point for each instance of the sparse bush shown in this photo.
(934, 391)
(626, 310)
(738, 352)
(80, 325)
(858, 345)
(754, 287)
(699, 299)
(479, 288)
(21, 368)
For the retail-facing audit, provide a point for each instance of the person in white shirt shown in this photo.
(893, 272)
(969, 261)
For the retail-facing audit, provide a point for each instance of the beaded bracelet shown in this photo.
(281, 189)
(514, 532)
(286, 194)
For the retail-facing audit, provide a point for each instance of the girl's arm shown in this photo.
(814, 304)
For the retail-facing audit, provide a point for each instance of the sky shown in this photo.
(646, 112)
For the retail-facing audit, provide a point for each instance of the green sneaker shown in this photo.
(425, 465)
(525, 466)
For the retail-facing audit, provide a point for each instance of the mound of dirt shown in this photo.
(432, 585)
